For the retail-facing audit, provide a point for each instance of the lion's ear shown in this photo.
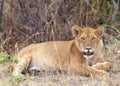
(99, 31)
(76, 30)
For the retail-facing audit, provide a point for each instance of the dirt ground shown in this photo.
(112, 80)
(66, 80)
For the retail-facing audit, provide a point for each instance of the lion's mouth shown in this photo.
(88, 54)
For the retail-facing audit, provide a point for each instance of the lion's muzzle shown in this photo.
(88, 53)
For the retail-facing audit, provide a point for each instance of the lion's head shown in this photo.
(88, 40)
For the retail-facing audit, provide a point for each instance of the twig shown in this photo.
(115, 9)
(1, 13)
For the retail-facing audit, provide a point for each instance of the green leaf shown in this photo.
(108, 5)
(3, 43)
(81, 2)
(118, 29)
(16, 78)
(14, 60)
(3, 58)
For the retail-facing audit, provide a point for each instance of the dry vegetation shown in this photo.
(112, 55)
(31, 21)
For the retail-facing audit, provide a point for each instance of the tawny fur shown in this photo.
(66, 55)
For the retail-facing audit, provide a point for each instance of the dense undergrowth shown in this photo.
(32, 21)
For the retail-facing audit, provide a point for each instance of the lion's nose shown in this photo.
(88, 48)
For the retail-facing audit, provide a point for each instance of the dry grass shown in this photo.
(50, 79)
(56, 80)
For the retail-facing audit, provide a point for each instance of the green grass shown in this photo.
(3, 58)
(118, 29)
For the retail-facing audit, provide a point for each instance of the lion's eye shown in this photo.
(93, 38)
(83, 38)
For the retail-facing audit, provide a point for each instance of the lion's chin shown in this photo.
(87, 57)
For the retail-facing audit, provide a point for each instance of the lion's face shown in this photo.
(87, 40)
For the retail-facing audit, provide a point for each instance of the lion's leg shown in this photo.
(86, 70)
(23, 62)
(102, 66)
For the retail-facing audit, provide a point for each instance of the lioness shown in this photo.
(75, 56)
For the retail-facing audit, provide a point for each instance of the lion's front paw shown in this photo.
(101, 73)
(97, 72)
(102, 66)
(107, 66)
